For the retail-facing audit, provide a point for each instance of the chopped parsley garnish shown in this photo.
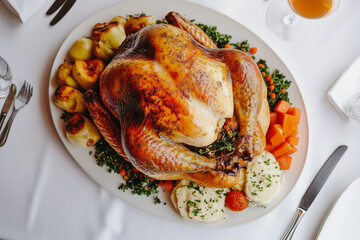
(219, 39)
(279, 83)
(157, 200)
(219, 192)
(135, 181)
(243, 46)
(138, 15)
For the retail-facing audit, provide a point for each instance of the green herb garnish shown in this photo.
(278, 81)
(243, 46)
(218, 38)
(135, 181)
(138, 15)
(224, 145)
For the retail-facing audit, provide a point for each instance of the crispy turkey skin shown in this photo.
(166, 90)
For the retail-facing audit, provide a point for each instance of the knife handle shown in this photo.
(2, 118)
(4, 135)
(294, 223)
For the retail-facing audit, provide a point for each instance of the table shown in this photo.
(44, 194)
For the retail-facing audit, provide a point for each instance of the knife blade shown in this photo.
(314, 189)
(55, 6)
(65, 8)
(8, 102)
(321, 177)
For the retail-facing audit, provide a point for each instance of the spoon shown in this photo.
(5, 78)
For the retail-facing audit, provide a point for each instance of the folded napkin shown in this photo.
(23, 9)
(345, 88)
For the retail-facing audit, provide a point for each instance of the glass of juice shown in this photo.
(291, 20)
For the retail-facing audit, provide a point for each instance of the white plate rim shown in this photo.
(331, 213)
(91, 169)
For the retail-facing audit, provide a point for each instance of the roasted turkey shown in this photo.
(169, 87)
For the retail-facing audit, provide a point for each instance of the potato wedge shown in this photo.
(64, 75)
(81, 132)
(87, 73)
(81, 49)
(69, 99)
(108, 37)
(134, 24)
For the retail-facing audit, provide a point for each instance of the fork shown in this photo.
(21, 100)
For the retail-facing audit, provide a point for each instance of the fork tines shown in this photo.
(25, 92)
(28, 92)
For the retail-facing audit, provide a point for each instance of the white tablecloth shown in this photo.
(44, 194)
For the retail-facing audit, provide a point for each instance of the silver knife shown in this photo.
(8, 102)
(314, 189)
(62, 12)
(55, 6)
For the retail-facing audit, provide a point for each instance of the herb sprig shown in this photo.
(135, 181)
(224, 145)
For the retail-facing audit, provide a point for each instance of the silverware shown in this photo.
(8, 102)
(55, 6)
(65, 7)
(21, 100)
(314, 189)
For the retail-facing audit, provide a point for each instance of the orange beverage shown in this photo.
(312, 8)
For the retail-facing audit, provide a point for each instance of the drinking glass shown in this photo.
(5, 78)
(292, 19)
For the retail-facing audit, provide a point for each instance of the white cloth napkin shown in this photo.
(23, 9)
(347, 85)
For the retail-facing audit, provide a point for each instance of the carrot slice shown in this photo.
(282, 106)
(275, 135)
(293, 140)
(296, 113)
(282, 149)
(273, 118)
(284, 162)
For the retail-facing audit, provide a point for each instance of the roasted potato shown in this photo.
(81, 49)
(80, 131)
(64, 75)
(87, 73)
(108, 37)
(69, 99)
(134, 24)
